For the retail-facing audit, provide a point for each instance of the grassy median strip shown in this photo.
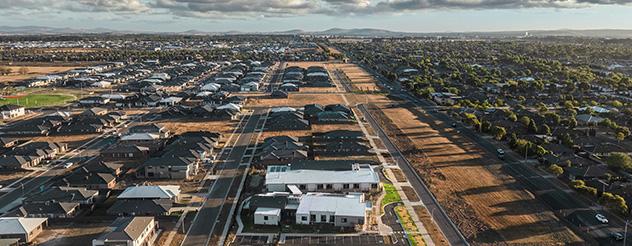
(412, 231)
(391, 194)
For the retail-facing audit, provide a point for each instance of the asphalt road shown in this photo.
(79, 157)
(390, 219)
(214, 215)
(568, 205)
(277, 76)
(450, 231)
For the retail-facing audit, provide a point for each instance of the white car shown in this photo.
(68, 165)
(601, 218)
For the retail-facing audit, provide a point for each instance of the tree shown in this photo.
(5, 70)
(512, 117)
(555, 169)
(615, 202)
(545, 129)
(525, 120)
(486, 126)
(619, 160)
(532, 127)
(23, 70)
(499, 132)
(620, 136)
(567, 140)
(572, 123)
(553, 118)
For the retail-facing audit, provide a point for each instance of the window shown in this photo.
(329, 186)
(374, 186)
(312, 218)
(302, 187)
(323, 218)
(320, 186)
(345, 186)
(265, 217)
(356, 186)
(332, 218)
(304, 218)
(344, 220)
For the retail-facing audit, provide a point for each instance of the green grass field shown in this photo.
(39, 100)
(391, 194)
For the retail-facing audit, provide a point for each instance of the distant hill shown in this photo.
(25, 30)
(354, 32)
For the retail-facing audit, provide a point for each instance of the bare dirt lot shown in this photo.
(360, 79)
(8, 177)
(80, 233)
(488, 206)
(297, 100)
(30, 72)
(179, 126)
(73, 141)
(425, 217)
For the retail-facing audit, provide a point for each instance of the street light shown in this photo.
(625, 232)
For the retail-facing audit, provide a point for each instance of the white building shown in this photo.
(339, 210)
(362, 177)
(250, 86)
(267, 216)
(10, 111)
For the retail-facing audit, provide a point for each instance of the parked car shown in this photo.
(601, 218)
(616, 236)
(68, 165)
(500, 153)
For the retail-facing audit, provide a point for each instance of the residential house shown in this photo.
(119, 152)
(82, 177)
(94, 101)
(145, 200)
(24, 229)
(10, 111)
(162, 131)
(284, 119)
(130, 231)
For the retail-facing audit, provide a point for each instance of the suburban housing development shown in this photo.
(314, 139)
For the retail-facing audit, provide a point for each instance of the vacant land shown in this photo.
(297, 100)
(431, 227)
(486, 204)
(399, 175)
(8, 177)
(79, 233)
(410, 193)
(27, 72)
(180, 126)
(360, 79)
(73, 141)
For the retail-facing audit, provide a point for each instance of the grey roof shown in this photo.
(276, 175)
(49, 208)
(15, 226)
(61, 194)
(130, 230)
(151, 192)
(140, 206)
(340, 205)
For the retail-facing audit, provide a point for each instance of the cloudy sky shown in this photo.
(314, 15)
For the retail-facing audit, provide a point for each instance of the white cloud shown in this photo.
(280, 8)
